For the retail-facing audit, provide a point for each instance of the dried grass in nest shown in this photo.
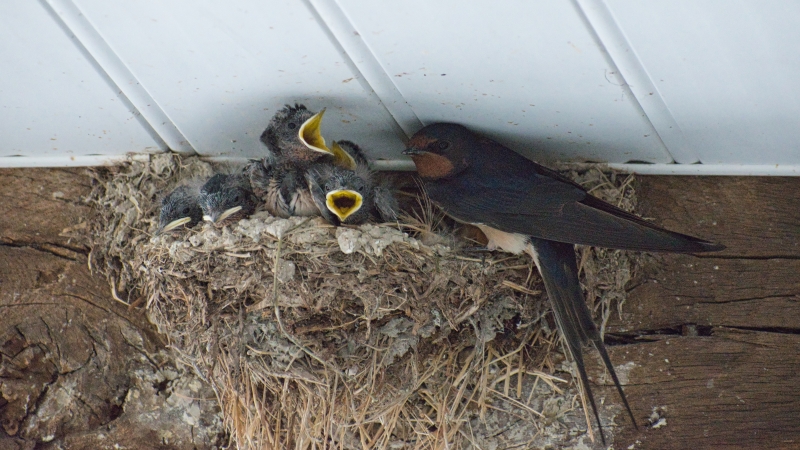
(354, 338)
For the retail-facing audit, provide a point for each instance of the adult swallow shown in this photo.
(180, 207)
(349, 196)
(522, 206)
(226, 197)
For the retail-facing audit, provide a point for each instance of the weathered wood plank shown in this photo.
(683, 289)
(726, 387)
(733, 389)
(36, 205)
(752, 216)
(77, 369)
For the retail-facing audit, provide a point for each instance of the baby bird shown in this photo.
(293, 136)
(294, 143)
(226, 197)
(180, 207)
(350, 196)
(280, 187)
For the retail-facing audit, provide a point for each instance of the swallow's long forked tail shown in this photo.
(559, 270)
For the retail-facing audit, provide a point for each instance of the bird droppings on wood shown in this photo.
(373, 336)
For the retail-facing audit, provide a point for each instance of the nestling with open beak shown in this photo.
(226, 197)
(294, 143)
(294, 136)
(350, 196)
(180, 208)
(524, 207)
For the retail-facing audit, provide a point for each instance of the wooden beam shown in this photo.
(715, 338)
(78, 369)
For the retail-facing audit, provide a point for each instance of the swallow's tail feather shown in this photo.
(556, 263)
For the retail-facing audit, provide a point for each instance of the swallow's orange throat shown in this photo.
(432, 166)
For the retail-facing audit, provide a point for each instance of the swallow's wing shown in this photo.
(556, 263)
(517, 195)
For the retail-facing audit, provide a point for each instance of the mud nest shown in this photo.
(378, 336)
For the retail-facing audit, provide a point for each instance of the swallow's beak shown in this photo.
(311, 136)
(343, 202)
(341, 157)
(174, 224)
(221, 217)
(412, 152)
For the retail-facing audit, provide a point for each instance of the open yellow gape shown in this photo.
(343, 202)
(311, 136)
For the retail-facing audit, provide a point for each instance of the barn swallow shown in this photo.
(281, 187)
(180, 207)
(522, 206)
(226, 197)
(294, 136)
(349, 196)
(294, 142)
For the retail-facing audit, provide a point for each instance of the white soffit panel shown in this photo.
(727, 71)
(220, 70)
(527, 73)
(54, 103)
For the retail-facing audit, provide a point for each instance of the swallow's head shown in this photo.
(345, 194)
(440, 150)
(294, 133)
(226, 197)
(179, 208)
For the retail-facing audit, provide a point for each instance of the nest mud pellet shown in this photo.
(378, 336)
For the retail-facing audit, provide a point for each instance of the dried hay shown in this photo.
(354, 338)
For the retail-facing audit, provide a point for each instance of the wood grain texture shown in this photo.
(714, 338)
(755, 217)
(78, 369)
(741, 292)
(38, 204)
(733, 389)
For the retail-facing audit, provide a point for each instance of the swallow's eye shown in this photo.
(237, 198)
(185, 211)
(291, 125)
(328, 186)
(443, 145)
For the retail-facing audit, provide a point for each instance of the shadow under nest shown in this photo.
(377, 336)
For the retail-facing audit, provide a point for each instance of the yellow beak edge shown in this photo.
(343, 202)
(311, 136)
(341, 158)
(174, 224)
